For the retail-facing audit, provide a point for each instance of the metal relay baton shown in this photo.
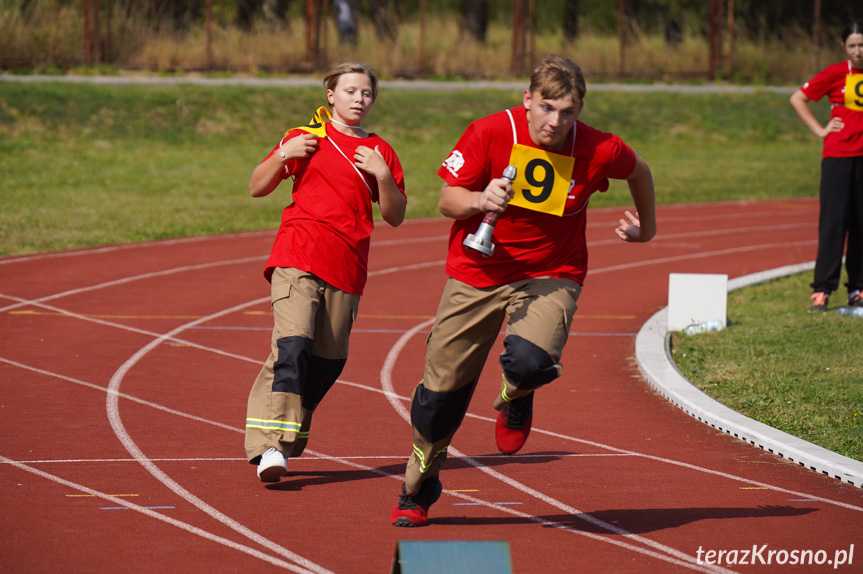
(481, 240)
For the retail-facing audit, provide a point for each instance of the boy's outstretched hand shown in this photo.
(629, 231)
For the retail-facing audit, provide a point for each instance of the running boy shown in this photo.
(533, 277)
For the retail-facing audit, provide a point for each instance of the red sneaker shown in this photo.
(819, 302)
(513, 424)
(413, 510)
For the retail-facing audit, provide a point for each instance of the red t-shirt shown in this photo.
(831, 82)
(326, 228)
(528, 243)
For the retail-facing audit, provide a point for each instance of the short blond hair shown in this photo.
(556, 77)
(331, 80)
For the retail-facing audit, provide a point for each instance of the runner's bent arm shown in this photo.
(643, 227)
(268, 174)
(461, 203)
(800, 103)
(390, 199)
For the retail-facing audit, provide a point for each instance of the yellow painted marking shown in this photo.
(753, 488)
(94, 496)
(466, 490)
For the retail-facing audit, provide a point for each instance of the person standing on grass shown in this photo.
(841, 194)
(318, 264)
(533, 277)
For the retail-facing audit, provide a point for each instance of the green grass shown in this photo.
(796, 371)
(88, 165)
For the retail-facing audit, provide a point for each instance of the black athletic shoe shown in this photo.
(413, 510)
(855, 299)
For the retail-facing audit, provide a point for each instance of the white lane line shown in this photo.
(358, 466)
(126, 246)
(385, 271)
(113, 409)
(164, 272)
(670, 237)
(703, 255)
(670, 554)
(112, 324)
(471, 500)
(148, 512)
(130, 279)
(309, 456)
(202, 238)
(615, 451)
(109, 391)
(380, 272)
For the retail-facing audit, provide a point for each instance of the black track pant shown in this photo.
(841, 217)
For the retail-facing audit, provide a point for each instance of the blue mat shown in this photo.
(452, 557)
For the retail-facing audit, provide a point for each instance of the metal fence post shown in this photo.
(106, 53)
(730, 58)
(816, 37)
(715, 37)
(208, 23)
(86, 31)
(621, 37)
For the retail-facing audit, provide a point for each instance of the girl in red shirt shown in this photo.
(318, 265)
(841, 195)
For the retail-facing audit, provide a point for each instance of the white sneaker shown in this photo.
(272, 467)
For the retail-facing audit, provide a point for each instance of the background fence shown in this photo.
(737, 40)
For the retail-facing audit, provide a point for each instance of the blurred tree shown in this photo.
(246, 10)
(276, 11)
(178, 13)
(570, 20)
(672, 21)
(475, 18)
(385, 16)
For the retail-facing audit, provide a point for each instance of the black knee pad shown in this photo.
(321, 377)
(291, 366)
(437, 415)
(526, 365)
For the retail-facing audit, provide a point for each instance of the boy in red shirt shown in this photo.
(533, 277)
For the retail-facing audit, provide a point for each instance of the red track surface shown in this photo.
(124, 373)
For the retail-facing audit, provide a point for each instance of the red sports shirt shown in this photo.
(326, 228)
(528, 243)
(831, 82)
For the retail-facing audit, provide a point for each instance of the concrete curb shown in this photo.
(418, 85)
(654, 361)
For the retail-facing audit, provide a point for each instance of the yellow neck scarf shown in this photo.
(316, 125)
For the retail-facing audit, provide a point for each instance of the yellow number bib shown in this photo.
(542, 179)
(854, 92)
(316, 124)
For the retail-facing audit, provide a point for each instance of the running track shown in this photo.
(124, 373)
